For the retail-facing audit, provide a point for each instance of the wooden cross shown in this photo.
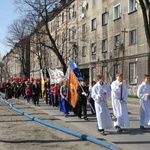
(123, 49)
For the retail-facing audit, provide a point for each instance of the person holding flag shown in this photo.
(73, 76)
(77, 91)
(42, 84)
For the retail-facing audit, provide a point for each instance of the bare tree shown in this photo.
(40, 12)
(6, 72)
(21, 53)
(18, 38)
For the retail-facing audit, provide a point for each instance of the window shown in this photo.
(104, 72)
(57, 40)
(94, 24)
(93, 2)
(57, 22)
(104, 18)
(70, 12)
(104, 45)
(70, 34)
(62, 17)
(63, 37)
(117, 11)
(74, 12)
(51, 27)
(132, 73)
(116, 70)
(93, 48)
(83, 31)
(132, 5)
(73, 32)
(132, 37)
(117, 41)
(93, 74)
(84, 51)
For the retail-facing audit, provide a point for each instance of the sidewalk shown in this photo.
(134, 101)
(132, 138)
(22, 128)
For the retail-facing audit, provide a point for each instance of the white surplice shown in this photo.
(142, 93)
(102, 112)
(120, 110)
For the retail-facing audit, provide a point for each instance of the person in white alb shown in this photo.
(119, 95)
(100, 93)
(143, 93)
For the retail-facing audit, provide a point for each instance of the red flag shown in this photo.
(72, 89)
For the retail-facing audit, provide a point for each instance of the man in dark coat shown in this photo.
(8, 90)
(35, 92)
(82, 91)
(47, 91)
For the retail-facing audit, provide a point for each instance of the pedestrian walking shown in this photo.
(8, 90)
(47, 91)
(35, 92)
(81, 105)
(64, 102)
(54, 91)
(100, 93)
(90, 97)
(119, 95)
(28, 92)
(143, 93)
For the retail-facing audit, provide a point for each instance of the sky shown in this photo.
(7, 14)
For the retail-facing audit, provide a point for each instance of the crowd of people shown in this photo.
(96, 94)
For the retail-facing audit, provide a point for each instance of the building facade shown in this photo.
(102, 37)
(16, 63)
(110, 31)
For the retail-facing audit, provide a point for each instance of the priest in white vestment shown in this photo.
(100, 92)
(144, 94)
(119, 95)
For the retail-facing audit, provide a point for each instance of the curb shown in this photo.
(80, 135)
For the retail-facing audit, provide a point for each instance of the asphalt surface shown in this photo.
(132, 138)
(24, 127)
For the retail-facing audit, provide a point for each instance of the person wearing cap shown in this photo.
(82, 91)
(143, 93)
(119, 95)
(100, 94)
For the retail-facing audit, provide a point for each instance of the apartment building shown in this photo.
(17, 61)
(96, 35)
(12, 65)
(102, 37)
(108, 30)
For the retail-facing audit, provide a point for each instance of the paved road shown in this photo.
(132, 138)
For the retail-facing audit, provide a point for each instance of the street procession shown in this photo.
(70, 93)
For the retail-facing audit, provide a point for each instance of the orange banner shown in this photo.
(72, 89)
